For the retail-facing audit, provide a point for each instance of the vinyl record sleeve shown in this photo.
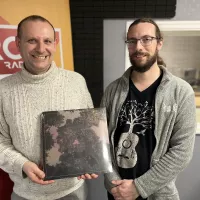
(75, 142)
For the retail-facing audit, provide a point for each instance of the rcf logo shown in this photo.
(10, 59)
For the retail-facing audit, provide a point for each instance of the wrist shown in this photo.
(136, 193)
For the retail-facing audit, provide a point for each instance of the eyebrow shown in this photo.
(132, 38)
(49, 39)
(35, 38)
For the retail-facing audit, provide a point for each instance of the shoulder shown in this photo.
(182, 85)
(120, 83)
(8, 81)
(110, 92)
(9, 78)
(176, 83)
(114, 86)
(177, 91)
(72, 79)
(71, 75)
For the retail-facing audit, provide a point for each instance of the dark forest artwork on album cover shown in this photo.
(75, 142)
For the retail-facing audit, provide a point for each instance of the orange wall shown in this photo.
(56, 11)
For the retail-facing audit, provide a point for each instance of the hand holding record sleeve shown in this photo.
(75, 143)
(35, 174)
(88, 176)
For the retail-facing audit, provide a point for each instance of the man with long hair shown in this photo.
(151, 120)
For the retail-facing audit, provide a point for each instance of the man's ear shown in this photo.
(17, 42)
(56, 41)
(160, 44)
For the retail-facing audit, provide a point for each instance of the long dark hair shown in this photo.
(160, 61)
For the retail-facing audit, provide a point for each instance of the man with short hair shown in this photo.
(151, 119)
(40, 86)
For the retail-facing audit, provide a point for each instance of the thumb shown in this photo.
(117, 182)
(39, 173)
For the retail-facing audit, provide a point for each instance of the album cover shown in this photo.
(75, 142)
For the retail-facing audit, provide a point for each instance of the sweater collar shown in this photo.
(30, 78)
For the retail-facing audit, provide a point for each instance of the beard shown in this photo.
(141, 68)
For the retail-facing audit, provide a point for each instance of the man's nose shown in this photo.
(40, 47)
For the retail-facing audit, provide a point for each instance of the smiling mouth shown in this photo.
(39, 57)
(139, 56)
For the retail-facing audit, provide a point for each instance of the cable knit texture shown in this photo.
(23, 97)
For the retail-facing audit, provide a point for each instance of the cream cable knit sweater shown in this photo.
(23, 97)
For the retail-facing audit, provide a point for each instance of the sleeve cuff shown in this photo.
(18, 166)
(108, 178)
(140, 190)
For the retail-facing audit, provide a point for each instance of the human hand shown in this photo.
(34, 173)
(88, 176)
(124, 190)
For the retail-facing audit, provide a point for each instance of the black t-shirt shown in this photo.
(134, 138)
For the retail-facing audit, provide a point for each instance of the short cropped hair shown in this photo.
(32, 18)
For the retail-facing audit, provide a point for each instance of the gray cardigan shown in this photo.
(175, 128)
